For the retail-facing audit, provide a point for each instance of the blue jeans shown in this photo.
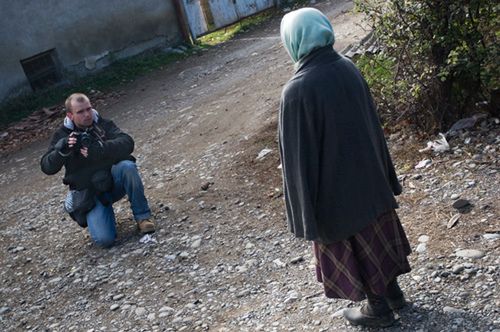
(101, 219)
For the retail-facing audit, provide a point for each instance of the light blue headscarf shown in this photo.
(305, 30)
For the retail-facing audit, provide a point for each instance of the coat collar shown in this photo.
(317, 56)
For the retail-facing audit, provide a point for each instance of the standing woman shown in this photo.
(339, 180)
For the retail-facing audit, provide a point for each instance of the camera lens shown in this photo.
(85, 139)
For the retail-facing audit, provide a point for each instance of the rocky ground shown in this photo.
(222, 258)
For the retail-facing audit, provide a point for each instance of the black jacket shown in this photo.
(337, 171)
(116, 146)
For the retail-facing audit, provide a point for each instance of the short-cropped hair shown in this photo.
(79, 97)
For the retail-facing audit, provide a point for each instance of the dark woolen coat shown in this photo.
(337, 171)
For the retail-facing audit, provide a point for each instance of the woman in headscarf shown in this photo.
(339, 180)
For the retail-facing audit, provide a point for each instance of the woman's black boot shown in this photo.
(376, 313)
(394, 296)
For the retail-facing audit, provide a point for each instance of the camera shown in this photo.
(83, 139)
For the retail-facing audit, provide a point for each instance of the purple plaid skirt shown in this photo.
(369, 259)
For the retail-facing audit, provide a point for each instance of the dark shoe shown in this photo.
(394, 296)
(376, 313)
(360, 316)
(146, 226)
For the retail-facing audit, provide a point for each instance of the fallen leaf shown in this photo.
(453, 220)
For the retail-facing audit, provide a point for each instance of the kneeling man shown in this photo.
(100, 170)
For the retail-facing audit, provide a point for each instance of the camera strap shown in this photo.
(98, 133)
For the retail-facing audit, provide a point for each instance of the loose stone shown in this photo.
(470, 253)
(118, 297)
(461, 204)
(140, 311)
(421, 248)
(423, 238)
(4, 310)
(457, 269)
(451, 310)
(491, 236)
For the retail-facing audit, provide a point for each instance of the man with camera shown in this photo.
(100, 170)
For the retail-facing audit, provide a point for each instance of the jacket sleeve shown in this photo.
(118, 145)
(53, 160)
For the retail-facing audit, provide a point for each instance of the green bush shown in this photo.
(441, 57)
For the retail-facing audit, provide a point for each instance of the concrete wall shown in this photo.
(86, 34)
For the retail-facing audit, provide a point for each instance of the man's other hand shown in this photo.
(72, 141)
(63, 146)
(84, 152)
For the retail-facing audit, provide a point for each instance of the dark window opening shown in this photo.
(42, 70)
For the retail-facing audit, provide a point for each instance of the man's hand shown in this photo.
(84, 152)
(72, 140)
(63, 146)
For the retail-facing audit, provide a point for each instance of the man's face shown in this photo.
(81, 113)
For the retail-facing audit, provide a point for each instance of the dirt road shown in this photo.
(222, 258)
